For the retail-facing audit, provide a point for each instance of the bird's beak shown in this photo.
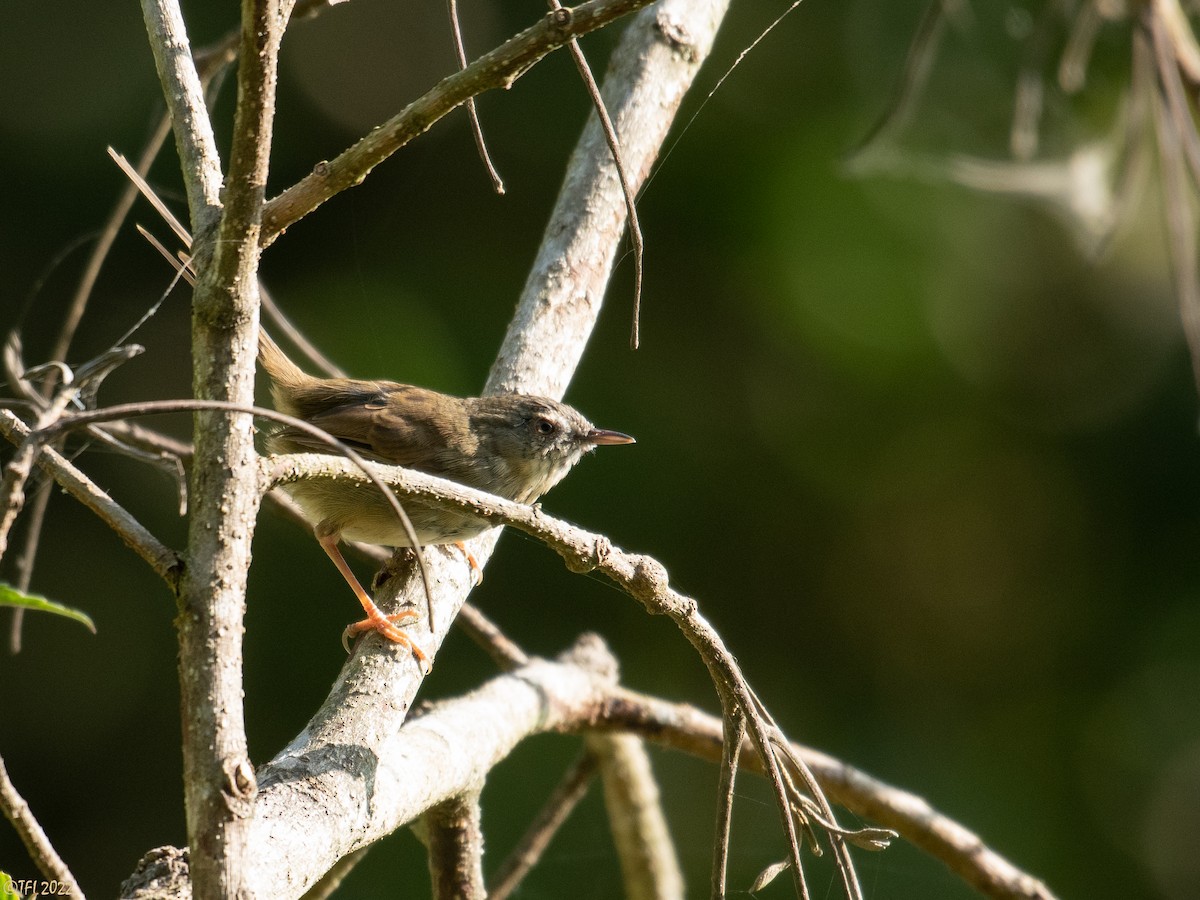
(600, 436)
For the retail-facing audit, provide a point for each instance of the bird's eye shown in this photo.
(543, 426)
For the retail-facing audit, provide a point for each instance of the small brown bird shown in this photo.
(514, 445)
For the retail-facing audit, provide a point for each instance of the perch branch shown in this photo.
(315, 806)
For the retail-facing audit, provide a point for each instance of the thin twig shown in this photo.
(162, 559)
(24, 565)
(476, 129)
(614, 147)
(734, 729)
(566, 795)
(38, 845)
(496, 69)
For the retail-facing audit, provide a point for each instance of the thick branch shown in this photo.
(218, 778)
(316, 807)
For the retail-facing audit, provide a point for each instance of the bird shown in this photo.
(514, 445)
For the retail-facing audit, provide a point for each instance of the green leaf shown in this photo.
(8, 890)
(10, 596)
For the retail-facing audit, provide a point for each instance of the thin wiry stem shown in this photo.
(570, 789)
(472, 114)
(735, 731)
(496, 69)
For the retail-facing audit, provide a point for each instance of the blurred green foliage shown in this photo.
(932, 474)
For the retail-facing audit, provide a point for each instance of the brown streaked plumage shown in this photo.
(514, 445)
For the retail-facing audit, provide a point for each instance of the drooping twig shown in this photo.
(472, 114)
(734, 728)
(614, 147)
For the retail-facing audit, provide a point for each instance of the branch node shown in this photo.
(677, 36)
(591, 654)
(561, 18)
(649, 581)
(241, 784)
(322, 169)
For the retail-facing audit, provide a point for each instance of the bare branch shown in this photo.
(184, 93)
(554, 812)
(41, 851)
(315, 807)
(164, 561)
(649, 864)
(219, 782)
(451, 831)
(497, 69)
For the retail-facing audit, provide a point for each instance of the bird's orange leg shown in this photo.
(376, 619)
(476, 570)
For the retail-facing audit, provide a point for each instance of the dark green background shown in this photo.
(931, 473)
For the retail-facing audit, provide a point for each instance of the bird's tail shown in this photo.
(286, 377)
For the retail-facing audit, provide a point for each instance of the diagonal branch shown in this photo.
(41, 851)
(315, 809)
(497, 69)
(184, 93)
(162, 559)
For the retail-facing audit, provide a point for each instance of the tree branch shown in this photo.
(162, 559)
(315, 807)
(451, 831)
(184, 93)
(41, 851)
(219, 783)
(649, 864)
(497, 69)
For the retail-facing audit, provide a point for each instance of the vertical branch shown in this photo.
(649, 865)
(218, 778)
(452, 833)
(200, 162)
